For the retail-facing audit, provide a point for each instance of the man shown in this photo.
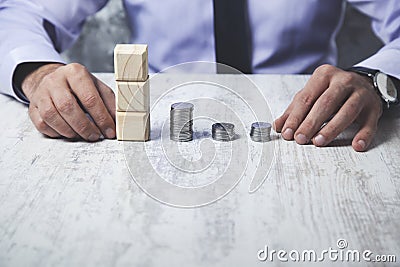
(285, 36)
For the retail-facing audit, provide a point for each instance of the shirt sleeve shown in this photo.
(37, 31)
(386, 25)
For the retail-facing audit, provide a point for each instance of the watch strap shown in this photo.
(364, 71)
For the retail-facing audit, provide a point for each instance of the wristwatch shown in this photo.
(385, 85)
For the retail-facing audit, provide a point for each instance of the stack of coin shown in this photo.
(181, 122)
(223, 131)
(260, 132)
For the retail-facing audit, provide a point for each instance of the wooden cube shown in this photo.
(133, 96)
(131, 62)
(133, 126)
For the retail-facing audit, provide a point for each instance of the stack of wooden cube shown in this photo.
(132, 92)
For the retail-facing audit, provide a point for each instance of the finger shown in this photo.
(40, 124)
(107, 95)
(69, 109)
(52, 118)
(363, 139)
(346, 115)
(305, 99)
(325, 106)
(279, 122)
(82, 85)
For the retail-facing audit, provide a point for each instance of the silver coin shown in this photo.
(260, 131)
(223, 131)
(181, 122)
(261, 124)
(185, 106)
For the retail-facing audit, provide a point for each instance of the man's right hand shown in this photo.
(60, 95)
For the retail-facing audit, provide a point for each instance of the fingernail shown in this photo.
(301, 139)
(110, 133)
(362, 144)
(93, 137)
(319, 140)
(288, 134)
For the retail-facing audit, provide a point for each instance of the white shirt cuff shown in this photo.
(23, 54)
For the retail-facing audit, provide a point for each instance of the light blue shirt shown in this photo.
(288, 36)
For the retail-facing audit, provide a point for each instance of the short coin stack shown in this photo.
(223, 131)
(181, 122)
(133, 93)
(260, 132)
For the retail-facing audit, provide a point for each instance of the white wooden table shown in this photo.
(75, 204)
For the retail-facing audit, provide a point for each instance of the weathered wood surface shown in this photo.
(74, 204)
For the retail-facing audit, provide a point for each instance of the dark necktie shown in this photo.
(232, 35)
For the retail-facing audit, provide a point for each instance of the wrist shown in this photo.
(385, 86)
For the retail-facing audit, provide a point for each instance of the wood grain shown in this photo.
(68, 203)
(131, 62)
(133, 96)
(133, 126)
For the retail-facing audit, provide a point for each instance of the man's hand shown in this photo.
(337, 96)
(60, 95)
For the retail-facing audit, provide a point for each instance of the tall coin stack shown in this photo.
(132, 92)
(181, 122)
(223, 131)
(260, 132)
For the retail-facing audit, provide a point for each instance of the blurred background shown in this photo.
(94, 48)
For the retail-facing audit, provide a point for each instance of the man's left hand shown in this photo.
(337, 98)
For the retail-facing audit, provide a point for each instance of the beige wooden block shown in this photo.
(133, 126)
(133, 96)
(131, 62)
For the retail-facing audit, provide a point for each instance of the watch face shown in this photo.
(386, 87)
